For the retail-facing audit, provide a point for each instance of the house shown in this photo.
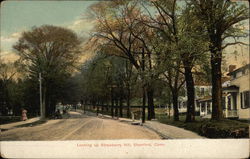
(235, 96)
(204, 101)
(202, 92)
(238, 93)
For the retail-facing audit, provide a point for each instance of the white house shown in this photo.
(202, 92)
(238, 93)
(204, 100)
(235, 97)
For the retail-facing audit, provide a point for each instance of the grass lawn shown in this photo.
(211, 129)
(9, 119)
(12, 119)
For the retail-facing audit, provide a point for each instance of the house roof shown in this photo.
(208, 98)
(224, 79)
(231, 88)
(201, 82)
(239, 69)
(205, 98)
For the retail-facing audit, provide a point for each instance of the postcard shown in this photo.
(124, 79)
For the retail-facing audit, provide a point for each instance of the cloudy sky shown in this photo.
(18, 16)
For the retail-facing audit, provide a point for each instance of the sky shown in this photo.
(18, 16)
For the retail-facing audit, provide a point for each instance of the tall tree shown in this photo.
(221, 19)
(111, 30)
(166, 22)
(52, 51)
(8, 72)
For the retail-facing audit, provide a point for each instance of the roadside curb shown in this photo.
(164, 137)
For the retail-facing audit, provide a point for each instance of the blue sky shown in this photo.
(18, 16)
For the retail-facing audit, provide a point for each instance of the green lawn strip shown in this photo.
(9, 119)
(211, 129)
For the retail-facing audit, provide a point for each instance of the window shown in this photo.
(234, 98)
(184, 104)
(209, 107)
(243, 71)
(247, 70)
(223, 103)
(234, 75)
(202, 91)
(229, 102)
(203, 107)
(238, 74)
(245, 99)
(198, 104)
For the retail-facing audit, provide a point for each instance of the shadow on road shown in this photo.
(39, 122)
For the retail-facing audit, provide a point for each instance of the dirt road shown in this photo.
(79, 127)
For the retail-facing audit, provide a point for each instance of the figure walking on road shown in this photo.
(24, 114)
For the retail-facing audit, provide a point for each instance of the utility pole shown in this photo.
(143, 86)
(41, 102)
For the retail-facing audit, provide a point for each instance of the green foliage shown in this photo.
(210, 129)
(224, 129)
(53, 52)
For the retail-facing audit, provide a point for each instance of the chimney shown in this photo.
(232, 68)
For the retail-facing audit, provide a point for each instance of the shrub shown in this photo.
(210, 129)
(224, 129)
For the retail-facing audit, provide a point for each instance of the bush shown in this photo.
(210, 129)
(224, 129)
(9, 119)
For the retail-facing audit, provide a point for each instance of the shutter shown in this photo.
(241, 100)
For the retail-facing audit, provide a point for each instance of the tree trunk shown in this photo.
(175, 105)
(102, 107)
(120, 106)
(143, 103)
(44, 103)
(150, 95)
(112, 103)
(217, 113)
(116, 107)
(97, 110)
(128, 103)
(149, 105)
(143, 87)
(169, 104)
(190, 93)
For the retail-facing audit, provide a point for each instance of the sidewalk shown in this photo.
(15, 124)
(171, 132)
(164, 130)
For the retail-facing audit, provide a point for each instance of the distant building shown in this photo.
(204, 101)
(202, 93)
(235, 96)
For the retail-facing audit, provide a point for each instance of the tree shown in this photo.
(8, 72)
(112, 31)
(193, 50)
(221, 19)
(52, 51)
(168, 24)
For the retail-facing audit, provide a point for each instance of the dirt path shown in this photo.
(79, 127)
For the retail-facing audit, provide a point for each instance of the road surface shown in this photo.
(78, 127)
